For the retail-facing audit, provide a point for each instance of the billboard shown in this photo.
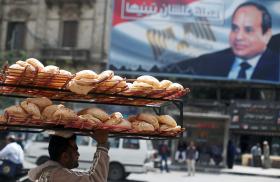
(255, 116)
(210, 39)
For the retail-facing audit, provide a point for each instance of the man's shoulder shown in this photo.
(214, 55)
(192, 65)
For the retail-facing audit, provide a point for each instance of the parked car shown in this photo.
(126, 155)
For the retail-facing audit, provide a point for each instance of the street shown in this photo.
(176, 176)
(182, 176)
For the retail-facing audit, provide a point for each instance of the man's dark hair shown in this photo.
(266, 17)
(58, 145)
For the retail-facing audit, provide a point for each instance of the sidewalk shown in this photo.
(237, 169)
(256, 171)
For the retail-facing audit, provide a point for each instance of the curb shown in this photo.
(219, 171)
(250, 174)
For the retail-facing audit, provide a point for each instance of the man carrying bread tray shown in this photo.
(64, 156)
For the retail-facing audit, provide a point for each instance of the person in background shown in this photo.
(64, 155)
(191, 158)
(180, 155)
(266, 154)
(231, 151)
(12, 155)
(164, 152)
(256, 152)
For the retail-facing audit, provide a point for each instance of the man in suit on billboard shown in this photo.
(248, 57)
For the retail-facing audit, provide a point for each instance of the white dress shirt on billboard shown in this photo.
(233, 74)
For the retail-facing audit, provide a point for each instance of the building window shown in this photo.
(131, 144)
(15, 36)
(69, 34)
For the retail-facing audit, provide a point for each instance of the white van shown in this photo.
(126, 155)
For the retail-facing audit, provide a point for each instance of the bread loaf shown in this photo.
(149, 80)
(35, 63)
(167, 128)
(79, 89)
(64, 114)
(165, 83)
(66, 73)
(48, 112)
(87, 74)
(125, 123)
(15, 110)
(51, 69)
(142, 126)
(41, 102)
(168, 120)
(149, 118)
(175, 87)
(94, 121)
(31, 109)
(108, 74)
(95, 112)
(114, 119)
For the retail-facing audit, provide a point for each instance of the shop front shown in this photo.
(210, 135)
(253, 122)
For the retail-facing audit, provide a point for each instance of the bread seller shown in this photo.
(64, 156)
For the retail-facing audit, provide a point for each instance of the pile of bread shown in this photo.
(38, 109)
(149, 85)
(105, 82)
(41, 111)
(32, 71)
(86, 81)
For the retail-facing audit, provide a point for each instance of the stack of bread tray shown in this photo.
(41, 113)
(31, 77)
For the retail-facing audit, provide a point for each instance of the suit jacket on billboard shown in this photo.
(274, 43)
(218, 64)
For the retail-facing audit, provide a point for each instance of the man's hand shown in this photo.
(101, 136)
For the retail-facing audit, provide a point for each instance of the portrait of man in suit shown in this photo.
(248, 57)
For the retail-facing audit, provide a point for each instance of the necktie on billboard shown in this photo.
(242, 73)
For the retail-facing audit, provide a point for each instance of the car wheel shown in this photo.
(42, 160)
(116, 172)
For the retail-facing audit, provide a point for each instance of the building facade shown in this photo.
(61, 32)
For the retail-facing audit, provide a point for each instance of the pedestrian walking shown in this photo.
(266, 154)
(180, 155)
(231, 151)
(256, 152)
(191, 158)
(164, 154)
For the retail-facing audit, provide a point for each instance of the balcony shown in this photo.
(65, 54)
(51, 3)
